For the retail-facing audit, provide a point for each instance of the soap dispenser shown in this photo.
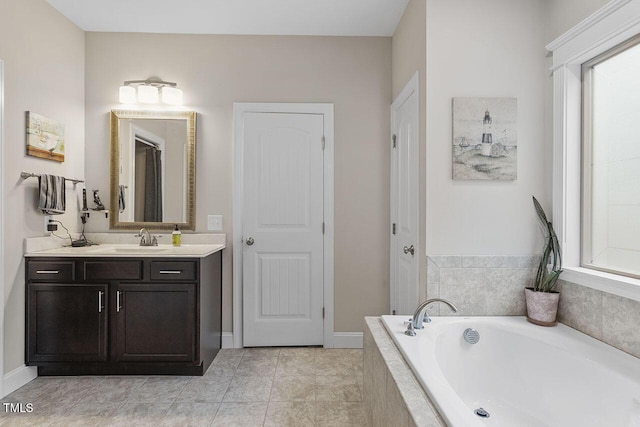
(176, 236)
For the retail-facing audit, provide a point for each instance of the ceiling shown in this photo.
(267, 17)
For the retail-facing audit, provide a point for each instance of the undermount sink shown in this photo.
(140, 249)
(129, 249)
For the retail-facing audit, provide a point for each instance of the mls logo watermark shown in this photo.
(18, 408)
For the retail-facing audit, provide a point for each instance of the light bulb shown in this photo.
(127, 95)
(147, 94)
(171, 95)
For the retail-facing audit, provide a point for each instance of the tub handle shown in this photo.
(410, 329)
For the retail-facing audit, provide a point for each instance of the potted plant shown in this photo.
(542, 300)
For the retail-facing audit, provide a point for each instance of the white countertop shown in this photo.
(126, 245)
(125, 250)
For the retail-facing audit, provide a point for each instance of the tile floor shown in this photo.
(243, 387)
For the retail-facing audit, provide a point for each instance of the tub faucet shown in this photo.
(146, 239)
(421, 314)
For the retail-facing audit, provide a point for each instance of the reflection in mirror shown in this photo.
(152, 169)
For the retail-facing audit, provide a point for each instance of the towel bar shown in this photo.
(26, 175)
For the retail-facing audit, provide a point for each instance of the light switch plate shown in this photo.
(214, 222)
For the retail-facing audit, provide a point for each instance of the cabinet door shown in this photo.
(66, 323)
(155, 322)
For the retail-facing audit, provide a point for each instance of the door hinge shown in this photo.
(393, 312)
(323, 312)
(324, 142)
(323, 228)
(393, 139)
(393, 228)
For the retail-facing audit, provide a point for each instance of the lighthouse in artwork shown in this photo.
(487, 139)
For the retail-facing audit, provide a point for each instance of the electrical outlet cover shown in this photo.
(46, 223)
(214, 222)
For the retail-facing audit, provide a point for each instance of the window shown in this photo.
(611, 160)
(599, 42)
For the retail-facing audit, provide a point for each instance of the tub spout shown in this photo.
(421, 314)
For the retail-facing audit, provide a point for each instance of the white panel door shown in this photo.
(282, 229)
(404, 201)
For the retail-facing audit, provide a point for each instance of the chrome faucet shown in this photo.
(421, 315)
(146, 239)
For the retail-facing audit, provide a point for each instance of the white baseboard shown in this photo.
(227, 340)
(340, 340)
(347, 339)
(17, 378)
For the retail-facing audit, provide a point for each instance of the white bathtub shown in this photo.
(521, 374)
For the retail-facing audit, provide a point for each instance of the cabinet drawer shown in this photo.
(113, 270)
(51, 271)
(174, 270)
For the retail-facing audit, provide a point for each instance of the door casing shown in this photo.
(2, 393)
(239, 109)
(412, 88)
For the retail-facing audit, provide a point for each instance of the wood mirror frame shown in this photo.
(190, 184)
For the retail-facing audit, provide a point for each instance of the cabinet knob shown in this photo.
(118, 306)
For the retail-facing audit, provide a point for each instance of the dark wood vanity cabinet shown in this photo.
(122, 315)
(67, 323)
(147, 331)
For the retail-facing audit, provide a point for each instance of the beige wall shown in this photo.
(408, 55)
(354, 73)
(493, 48)
(561, 15)
(43, 57)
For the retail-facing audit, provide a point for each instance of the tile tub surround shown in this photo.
(609, 318)
(392, 395)
(242, 387)
(480, 285)
(493, 286)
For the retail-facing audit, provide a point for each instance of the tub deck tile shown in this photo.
(420, 410)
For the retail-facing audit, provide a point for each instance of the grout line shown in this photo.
(273, 380)
(171, 403)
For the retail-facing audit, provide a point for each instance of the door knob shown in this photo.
(250, 241)
(409, 249)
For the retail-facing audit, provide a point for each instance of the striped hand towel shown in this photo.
(121, 196)
(53, 196)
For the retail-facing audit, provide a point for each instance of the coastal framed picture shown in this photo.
(485, 138)
(45, 137)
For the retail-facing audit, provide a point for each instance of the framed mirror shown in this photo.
(153, 170)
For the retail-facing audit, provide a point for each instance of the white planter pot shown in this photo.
(542, 307)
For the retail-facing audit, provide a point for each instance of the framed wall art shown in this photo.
(485, 139)
(45, 137)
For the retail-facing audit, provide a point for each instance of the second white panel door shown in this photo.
(283, 229)
(404, 198)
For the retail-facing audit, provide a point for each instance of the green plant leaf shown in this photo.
(552, 279)
(556, 248)
(546, 280)
(541, 275)
(540, 211)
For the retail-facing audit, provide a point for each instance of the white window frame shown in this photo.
(610, 26)
(587, 153)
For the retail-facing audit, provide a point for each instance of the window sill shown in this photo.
(623, 286)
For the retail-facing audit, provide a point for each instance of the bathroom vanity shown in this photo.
(122, 309)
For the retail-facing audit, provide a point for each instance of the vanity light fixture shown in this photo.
(147, 94)
(171, 95)
(150, 91)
